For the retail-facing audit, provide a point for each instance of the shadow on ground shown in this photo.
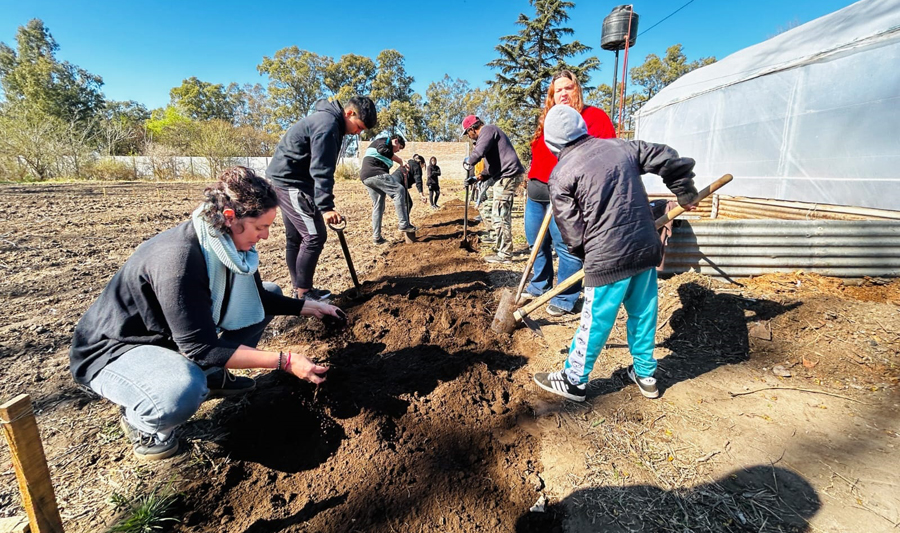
(760, 498)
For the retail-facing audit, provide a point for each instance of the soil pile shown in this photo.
(416, 428)
(779, 406)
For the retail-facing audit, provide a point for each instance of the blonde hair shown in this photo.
(577, 99)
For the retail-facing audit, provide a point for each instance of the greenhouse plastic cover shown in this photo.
(810, 115)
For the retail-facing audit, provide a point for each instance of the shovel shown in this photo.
(339, 229)
(505, 322)
(545, 225)
(466, 244)
(508, 301)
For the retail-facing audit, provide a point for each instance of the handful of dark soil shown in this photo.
(338, 322)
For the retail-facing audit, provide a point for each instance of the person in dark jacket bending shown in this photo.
(417, 176)
(375, 174)
(187, 306)
(411, 174)
(302, 170)
(433, 183)
(604, 218)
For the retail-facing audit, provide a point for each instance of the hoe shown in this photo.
(506, 318)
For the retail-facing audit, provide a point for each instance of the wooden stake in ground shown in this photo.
(38, 498)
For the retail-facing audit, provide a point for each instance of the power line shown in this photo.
(667, 16)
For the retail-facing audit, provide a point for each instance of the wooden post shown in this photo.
(24, 440)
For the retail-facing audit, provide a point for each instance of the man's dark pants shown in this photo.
(305, 233)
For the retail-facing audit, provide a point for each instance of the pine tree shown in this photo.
(31, 74)
(530, 58)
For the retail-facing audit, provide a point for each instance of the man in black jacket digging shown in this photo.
(302, 171)
(604, 217)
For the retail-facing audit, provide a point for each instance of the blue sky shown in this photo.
(144, 48)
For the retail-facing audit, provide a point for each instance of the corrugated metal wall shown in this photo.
(742, 248)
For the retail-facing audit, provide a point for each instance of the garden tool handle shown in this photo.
(339, 229)
(545, 225)
(340, 226)
(701, 195)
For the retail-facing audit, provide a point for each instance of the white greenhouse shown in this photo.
(811, 115)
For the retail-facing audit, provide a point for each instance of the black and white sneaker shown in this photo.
(222, 383)
(380, 240)
(409, 229)
(146, 446)
(557, 383)
(319, 295)
(647, 386)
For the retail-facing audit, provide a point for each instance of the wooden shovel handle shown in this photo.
(545, 226)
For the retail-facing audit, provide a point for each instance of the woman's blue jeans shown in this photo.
(542, 279)
(159, 388)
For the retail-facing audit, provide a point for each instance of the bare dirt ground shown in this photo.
(779, 409)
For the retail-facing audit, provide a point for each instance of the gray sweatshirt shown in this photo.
(500, 158)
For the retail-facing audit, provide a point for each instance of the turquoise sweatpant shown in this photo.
(598, 316)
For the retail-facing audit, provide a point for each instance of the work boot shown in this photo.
(222, 383)
(149, 446)
(647, 386)
(558, 384)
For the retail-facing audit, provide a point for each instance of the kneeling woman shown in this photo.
(186, 306)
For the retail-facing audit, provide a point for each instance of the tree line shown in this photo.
(56, 122)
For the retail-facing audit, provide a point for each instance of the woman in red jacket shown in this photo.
(564, 90)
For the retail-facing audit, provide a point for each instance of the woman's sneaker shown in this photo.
(222, 383)
(319, 295)
(555, 310)
(149, 447)
(647, 386)
(558, 384)
(526, 297)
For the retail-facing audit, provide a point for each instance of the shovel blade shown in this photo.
(504, 321)
(533, 326)
(470, 243)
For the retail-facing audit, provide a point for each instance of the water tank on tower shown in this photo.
(615, 28)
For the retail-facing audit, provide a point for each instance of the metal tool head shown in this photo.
(533, 326)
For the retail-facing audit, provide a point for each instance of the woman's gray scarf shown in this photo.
(244, 305)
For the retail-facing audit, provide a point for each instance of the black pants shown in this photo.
(433, 195)
(305, 233)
